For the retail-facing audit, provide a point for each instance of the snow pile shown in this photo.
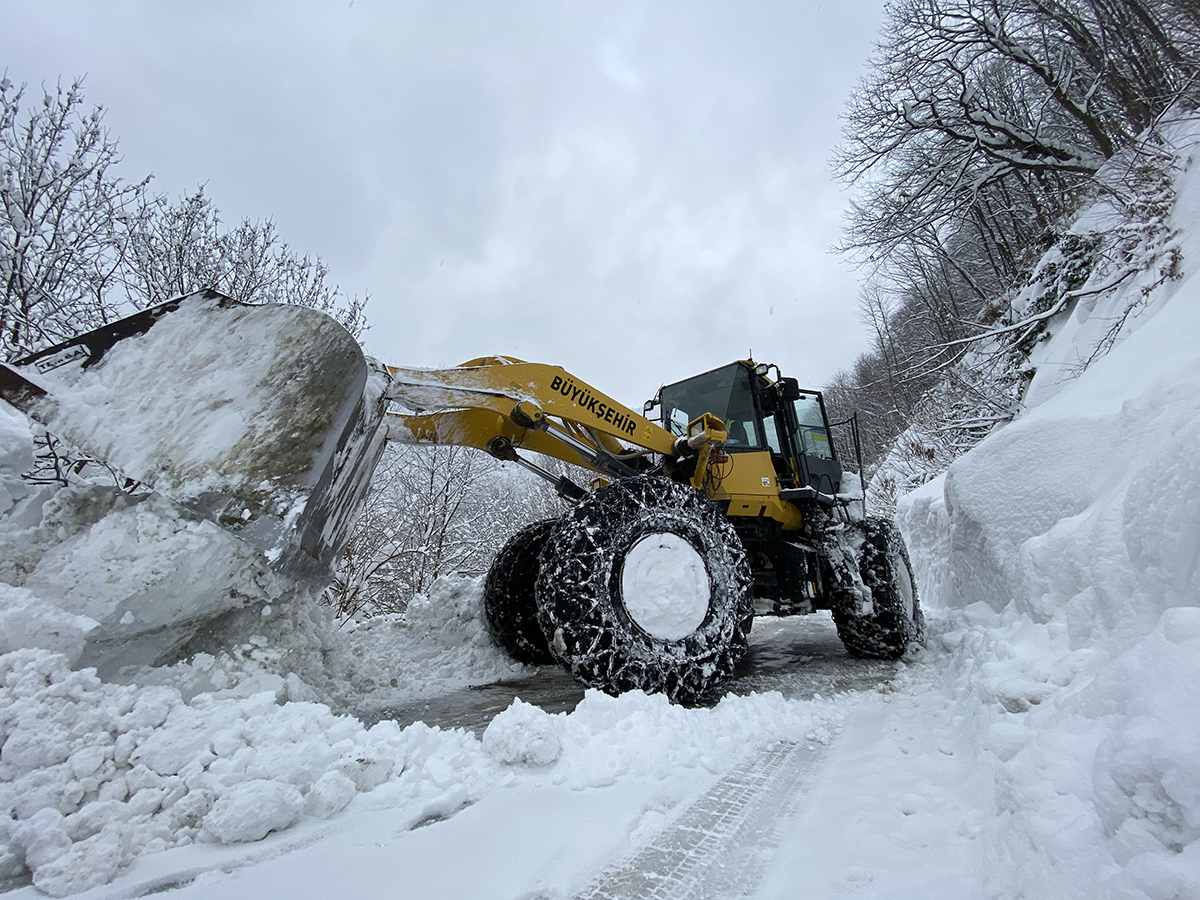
(112, 579)
(1064, 550)
(300, 651)
(523, 733)
(439, 644)
(609, 738)
(92, 774)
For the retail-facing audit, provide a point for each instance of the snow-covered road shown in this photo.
(867, 787)
(800, 657)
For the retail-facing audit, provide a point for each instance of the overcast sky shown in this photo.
(634, 191)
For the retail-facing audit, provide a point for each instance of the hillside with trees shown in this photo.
(980, 131)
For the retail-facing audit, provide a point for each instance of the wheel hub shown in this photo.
(665, 586)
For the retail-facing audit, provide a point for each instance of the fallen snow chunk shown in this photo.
(365, 770)
(251, 810)
(16, 456)
(329, 795)
(27, 620)
(42, 837)
(12, 863)
(84, 865)
(16, 441)
(169, 750)
(523, 733)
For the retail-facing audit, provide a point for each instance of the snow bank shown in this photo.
(1063, 550)
(94, 774)
(119, 579)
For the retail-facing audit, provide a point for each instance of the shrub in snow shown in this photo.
(523, 733)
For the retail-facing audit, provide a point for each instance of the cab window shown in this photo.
(814, 437)
(724, 392)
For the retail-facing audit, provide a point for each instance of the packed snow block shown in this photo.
(1018, 484)
(1161, 514)
(522, 734)
(16, 456)
(86, 864)
(329, 795)
(251, 810)
(925, 524)
(26, 620)
(148, 579)
(261, 418)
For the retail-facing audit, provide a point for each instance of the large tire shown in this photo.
(896, 620)
(509, 604)
(645, 586)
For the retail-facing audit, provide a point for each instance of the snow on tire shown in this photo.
(645, 586)
(509, 605)
(895, 619)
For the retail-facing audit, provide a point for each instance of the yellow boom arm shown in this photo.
(500, 404)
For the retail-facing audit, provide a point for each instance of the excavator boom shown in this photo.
(502, 405)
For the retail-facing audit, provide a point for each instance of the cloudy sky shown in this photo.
(636, 191)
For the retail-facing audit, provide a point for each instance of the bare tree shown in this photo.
(62, 218)
(980, 130)
(180, 247)
(431, 511)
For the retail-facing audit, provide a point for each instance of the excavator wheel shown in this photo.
(895, 619)
(645, 586)
(509, 606)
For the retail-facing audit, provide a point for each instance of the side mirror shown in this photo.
(789, 390)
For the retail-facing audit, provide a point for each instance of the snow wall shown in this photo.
(1062, 557)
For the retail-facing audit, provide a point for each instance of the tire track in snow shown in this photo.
(718, 846)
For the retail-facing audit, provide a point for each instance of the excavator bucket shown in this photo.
(263, 419)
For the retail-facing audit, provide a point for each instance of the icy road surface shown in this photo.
(800, 656)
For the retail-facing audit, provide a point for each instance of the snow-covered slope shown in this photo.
(1064, 551)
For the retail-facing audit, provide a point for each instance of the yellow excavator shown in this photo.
(269, 421)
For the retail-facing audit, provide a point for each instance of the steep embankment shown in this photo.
(1064, 554)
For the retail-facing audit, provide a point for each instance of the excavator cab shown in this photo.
(777, 433)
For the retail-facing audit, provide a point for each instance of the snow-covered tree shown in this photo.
(431, 511)
(978, 132)
(180, 247)
(80, 246)
(62, 218)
